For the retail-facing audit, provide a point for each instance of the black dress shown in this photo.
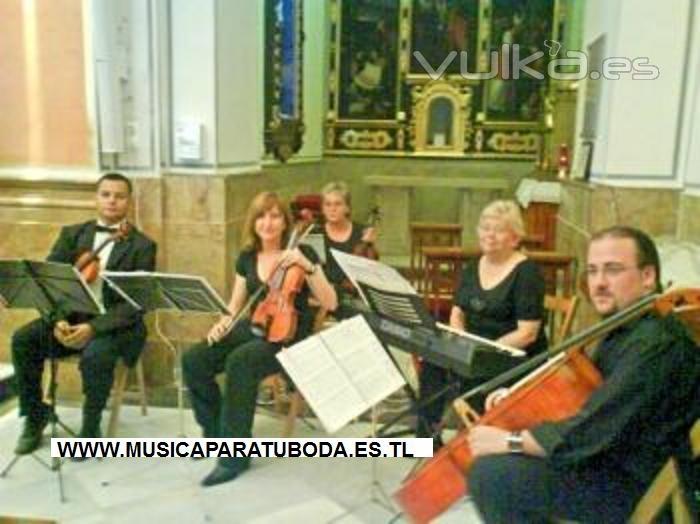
(245, 359)
(336, 276)
(490, 313)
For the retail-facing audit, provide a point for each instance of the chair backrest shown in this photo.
(674, 487)
(560, 317)
(430, 234)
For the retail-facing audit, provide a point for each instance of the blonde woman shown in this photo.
(340, 231)
(243, 357)
(500, 296)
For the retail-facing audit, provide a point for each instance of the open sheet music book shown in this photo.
(342, 371)
(384, 289)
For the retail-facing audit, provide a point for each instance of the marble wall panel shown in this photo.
(652, 210)
(688, 223)
(198, 249)
(193, 199)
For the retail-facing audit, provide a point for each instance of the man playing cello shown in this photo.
(595, 465)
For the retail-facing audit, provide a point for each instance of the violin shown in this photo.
(88, 263)
(276, 318)
(554, 391)
(364, 248)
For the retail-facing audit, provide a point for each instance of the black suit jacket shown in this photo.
(133, 253)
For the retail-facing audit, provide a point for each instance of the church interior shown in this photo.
(583, 112)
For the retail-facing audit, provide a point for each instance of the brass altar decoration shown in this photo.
(436, 77)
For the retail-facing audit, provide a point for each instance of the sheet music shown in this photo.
(398, 307)
(325, 386)
(342, 372)
(362, 356)
(372, 273)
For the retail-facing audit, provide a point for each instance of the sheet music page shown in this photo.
(325, 386)
(363, 358)
(372, 273)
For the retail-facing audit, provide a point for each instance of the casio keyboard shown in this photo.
(468, 357)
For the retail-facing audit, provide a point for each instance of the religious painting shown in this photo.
(440, 27)
(368, 59)
(519, 29)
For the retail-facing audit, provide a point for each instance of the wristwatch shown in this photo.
(515, 442)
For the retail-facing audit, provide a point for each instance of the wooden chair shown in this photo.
(560, 317)
(425, 234)
(668, 486)
(669, 489)
(119, 389)
(119, 392)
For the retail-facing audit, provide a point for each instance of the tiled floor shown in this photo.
(167, 490)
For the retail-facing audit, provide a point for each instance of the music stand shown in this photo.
(164, 291)
(350, 356)
(55, 290)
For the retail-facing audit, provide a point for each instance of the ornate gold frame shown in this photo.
(405, 135)
(460, 96)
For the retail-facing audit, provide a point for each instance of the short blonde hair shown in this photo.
(338, 187)
(507, 211)
(260, 205)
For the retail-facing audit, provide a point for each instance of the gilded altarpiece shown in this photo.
(438, 77)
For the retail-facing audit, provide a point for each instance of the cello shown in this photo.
(556, 390)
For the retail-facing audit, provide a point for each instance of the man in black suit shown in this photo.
(100, 340)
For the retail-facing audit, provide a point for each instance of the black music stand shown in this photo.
(164, 291)
(55, 290)
(402, 310)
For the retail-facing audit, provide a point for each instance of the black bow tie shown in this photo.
(105, 229)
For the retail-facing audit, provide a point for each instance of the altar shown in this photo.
(394, 194)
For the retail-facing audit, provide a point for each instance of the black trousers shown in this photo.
(31, 345)
(246, 360)
(518, 489)
(444, 386)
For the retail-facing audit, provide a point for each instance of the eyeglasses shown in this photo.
(491, 229)
(608, 270)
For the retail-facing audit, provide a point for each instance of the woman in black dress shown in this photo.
(245, 358)
(500, 297)
(340, 233)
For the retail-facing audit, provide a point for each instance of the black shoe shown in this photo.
(30, 439)
(221, 474)
(91, 423)
(87, 431)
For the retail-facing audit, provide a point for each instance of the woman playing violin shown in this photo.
(244, 357)
(340, 232)
(500, 297)
(595, 465)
